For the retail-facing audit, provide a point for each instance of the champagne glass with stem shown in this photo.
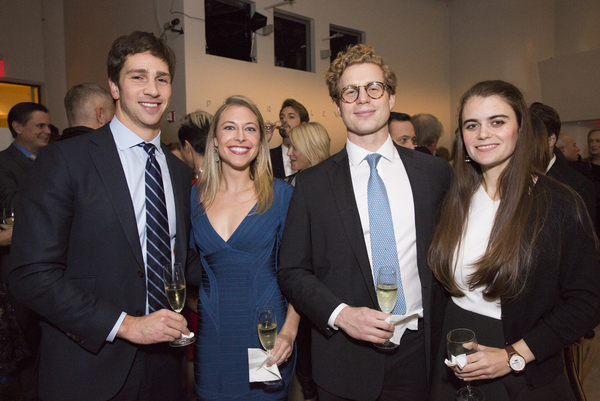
(463, 342)
(9, 216)
(267, 330)
(387, 291)
(175, 289)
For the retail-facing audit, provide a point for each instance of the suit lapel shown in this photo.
(424, 210)
(105, 156)
(343, 194)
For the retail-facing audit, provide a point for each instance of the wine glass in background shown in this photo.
(387, 292)
(175, 289)
(463, 342)
(9, 216)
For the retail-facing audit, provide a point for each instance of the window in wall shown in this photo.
(228, 28)
(13, 93)
(340, 38)
(292, 41)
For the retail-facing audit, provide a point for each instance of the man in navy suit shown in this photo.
(292, 114)
(326, 260)
(81, 253)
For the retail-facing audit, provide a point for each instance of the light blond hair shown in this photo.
(357, 54)
(261, 171)
(312, 140)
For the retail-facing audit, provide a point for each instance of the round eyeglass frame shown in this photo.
(357, 87)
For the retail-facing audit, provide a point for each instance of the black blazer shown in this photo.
(323, 262)
(277, 162)
(14, 169)
(77, 261)
(567, 175)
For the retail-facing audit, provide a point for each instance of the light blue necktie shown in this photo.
(158, 241)
(383, 240)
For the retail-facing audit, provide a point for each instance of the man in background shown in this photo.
(568, 147)
(89, 107)
(292, 114)
(428, 130)
(402, 130)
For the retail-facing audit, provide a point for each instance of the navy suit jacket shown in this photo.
(77, 261)
(323, 262)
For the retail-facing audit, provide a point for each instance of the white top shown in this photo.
(474, 244)
(392, 172)
(287, 164)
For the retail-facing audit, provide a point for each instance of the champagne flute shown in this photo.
(267, 327)
(387, 292)
(267, 332)
(463, 342)
(9, 216)
(175, 290)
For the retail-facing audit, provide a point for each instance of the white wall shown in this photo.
(411, 35)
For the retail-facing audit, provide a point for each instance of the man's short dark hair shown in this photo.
(549, 117)
(395, 116)
(21, 113)
(300, 109)
(134, 43)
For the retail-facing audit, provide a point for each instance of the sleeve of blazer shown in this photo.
(12, 176)
(39, 255)
(295, 273)
(578, 308)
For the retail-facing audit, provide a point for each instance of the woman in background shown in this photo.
(192, 136)
(309, 147)
(238, 213)
(516, 251)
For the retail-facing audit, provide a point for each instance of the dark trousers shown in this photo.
(405, 372)
(154, 376)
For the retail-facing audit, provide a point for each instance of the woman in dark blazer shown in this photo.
(516, 251)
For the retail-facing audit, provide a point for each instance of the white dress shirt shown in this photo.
(133, 160)
(392, 172)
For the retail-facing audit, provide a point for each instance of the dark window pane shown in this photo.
(342, 40)
(291, 43)
(228, 32)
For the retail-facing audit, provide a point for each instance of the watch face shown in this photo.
(517, 363)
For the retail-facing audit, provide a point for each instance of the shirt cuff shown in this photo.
(334, 315)
(116, 327)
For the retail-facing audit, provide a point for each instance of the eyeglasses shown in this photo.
(374, 90)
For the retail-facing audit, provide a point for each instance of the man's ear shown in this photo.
(16, 127)
(114, 90)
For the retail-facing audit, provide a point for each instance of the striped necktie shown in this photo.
(158, 241)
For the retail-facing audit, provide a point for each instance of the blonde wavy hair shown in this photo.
(261, 171)
(312, 140)
(357, 54)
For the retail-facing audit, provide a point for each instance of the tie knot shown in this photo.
(373, 159)
(149, 148)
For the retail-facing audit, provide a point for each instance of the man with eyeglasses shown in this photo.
(402, 130)
(371, 205)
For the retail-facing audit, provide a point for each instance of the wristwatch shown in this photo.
(515, 360)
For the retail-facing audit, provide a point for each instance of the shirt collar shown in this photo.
(26, 152)
(356, 154)
(126, 138)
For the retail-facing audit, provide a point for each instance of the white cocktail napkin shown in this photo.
(460, 361)
(403, 322)
(259, 371)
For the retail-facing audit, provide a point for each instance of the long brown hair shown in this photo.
(261, 171)
(503, 269)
